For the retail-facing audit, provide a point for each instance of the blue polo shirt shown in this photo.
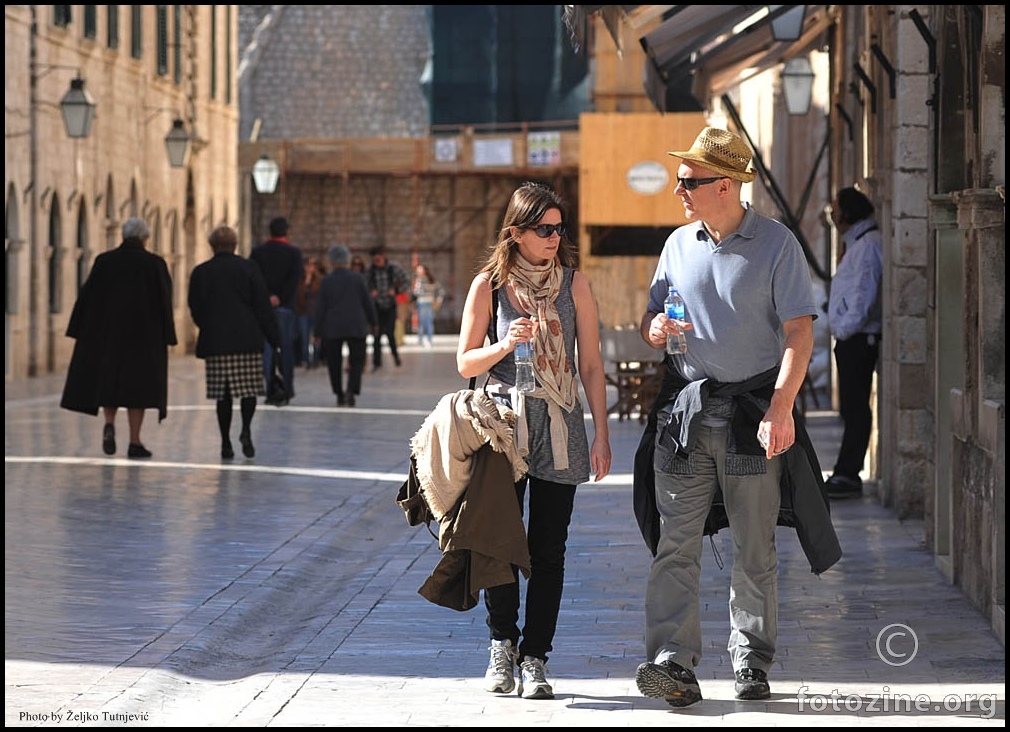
(737, 292)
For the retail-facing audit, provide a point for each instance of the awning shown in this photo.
(755, 50)
(708, 49)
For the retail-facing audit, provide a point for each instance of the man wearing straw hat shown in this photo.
(725, 419)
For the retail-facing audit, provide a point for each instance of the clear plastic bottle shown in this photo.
(674, 303)
(525, 380)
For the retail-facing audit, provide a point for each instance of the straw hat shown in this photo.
(723, 152)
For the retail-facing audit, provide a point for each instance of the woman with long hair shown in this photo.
(427, 296)
(530, 291)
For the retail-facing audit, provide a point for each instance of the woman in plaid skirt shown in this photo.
(229, 302)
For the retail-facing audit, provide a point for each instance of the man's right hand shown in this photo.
(655, 331)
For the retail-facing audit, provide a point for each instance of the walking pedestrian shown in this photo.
(281, 264)
(725, 417)
(345, 313)
(123, 323)
(305, 310)
(386, 280)
(531, 289)
(427, 295)
(229, 303)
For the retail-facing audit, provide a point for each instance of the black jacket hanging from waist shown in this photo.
(804, 501)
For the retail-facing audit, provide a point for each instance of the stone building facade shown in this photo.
(930, 147)
(65, 198)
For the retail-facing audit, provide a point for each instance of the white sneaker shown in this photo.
(533, 679)
(500, 675)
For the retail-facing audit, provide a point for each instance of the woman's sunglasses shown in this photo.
(691, 184)
(545, 230)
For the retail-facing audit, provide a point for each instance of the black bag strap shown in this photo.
(492, 332)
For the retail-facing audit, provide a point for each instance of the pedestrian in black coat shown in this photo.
(230, 304)
(281, 263)
(123, 324)
(345, 313)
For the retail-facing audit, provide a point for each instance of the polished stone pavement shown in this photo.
(282, 590)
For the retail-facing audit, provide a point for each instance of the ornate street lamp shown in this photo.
(177, 144)
(177, 141)
(78, 109)
(789, 25)
(266, 172)
(798, 85)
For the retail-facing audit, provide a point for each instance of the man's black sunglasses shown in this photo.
(545, 230)
(691, 184)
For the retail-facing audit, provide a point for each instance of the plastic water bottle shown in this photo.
(525, 381)
(674, 303)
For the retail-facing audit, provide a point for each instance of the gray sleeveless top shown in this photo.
(540, 459)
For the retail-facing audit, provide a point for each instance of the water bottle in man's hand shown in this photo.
(676, 343)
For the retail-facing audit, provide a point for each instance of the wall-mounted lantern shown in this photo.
(266, 173)
(789, 25)
(78, 109)
(798, 85)
(177, 144)
(177, 141)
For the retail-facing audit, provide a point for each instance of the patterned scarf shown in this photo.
(536, 287)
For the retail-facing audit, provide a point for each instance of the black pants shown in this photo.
(856, 359)
(550, 513)
(333, 352)
(387, 327)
